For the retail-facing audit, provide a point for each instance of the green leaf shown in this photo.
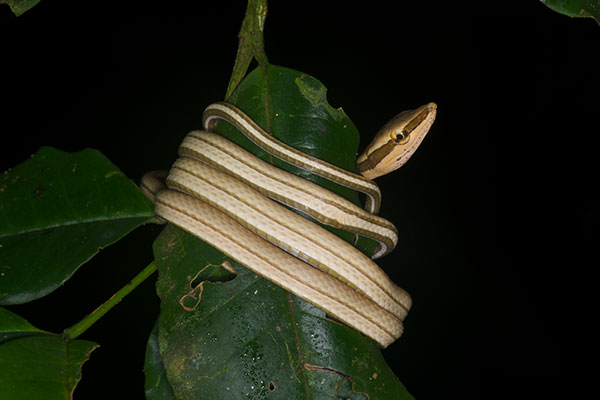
(241, 336)
(293, 107)
(35, 364)
(20, 6)
(576, 8)
(157, 385)
(57, 210)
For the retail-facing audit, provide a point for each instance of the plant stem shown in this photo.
(251, 44)
(81, 326)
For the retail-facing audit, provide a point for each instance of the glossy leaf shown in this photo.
(293, 107)
(243, 336)
(35, 364)
(157, 385)
(57, 210)
(576, 8)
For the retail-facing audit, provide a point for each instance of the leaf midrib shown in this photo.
(72, 223)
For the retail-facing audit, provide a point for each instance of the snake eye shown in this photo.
(402, 137)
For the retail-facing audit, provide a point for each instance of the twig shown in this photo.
(251, 44)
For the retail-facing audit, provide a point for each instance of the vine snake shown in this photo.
(230, 199)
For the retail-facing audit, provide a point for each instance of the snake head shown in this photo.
(396, 141)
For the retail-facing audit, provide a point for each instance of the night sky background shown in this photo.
(480, 207)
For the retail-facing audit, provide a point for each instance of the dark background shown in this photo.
(480, 207)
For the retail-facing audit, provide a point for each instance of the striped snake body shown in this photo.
(230, 199)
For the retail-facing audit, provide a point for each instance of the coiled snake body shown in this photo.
(229, 198)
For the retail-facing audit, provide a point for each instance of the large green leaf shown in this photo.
(241, 336)
(293, 107)
(157, 385)
(576, 8)
(57, 210)
(35, 364)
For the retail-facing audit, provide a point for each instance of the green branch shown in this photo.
(251, 44)
(80, 327)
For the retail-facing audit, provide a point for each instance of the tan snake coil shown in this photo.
(223, 195)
